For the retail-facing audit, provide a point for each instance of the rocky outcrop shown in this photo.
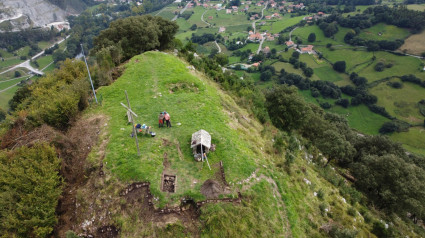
(18, 15)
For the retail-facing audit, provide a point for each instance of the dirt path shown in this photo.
(202, 18)
(254, 178)
(218, 47)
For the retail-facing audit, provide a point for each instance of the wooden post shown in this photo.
(132, 124)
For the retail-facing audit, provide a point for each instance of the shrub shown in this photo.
(321, 194)
(351, 211)
(379, 67)
(340, 66)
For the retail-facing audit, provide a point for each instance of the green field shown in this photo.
(401, 103)
(350, 56)
(382, 31)
(417, 7)
(279, 25)
(9, 62)
(321, 39)
(402, 65)
(6, 96)
(359, 117)
(413, 140)
(192, 106)
(220, 18)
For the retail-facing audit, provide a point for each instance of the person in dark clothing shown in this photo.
(161, 119)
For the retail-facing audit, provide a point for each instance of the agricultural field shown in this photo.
(321, 40)
(401, 65)
(412, 140)
(357, 57)
(414, 44)
(276, 26)
(417, 7)
(401, 103)
(382, 31)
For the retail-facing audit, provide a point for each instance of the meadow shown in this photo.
(382, 31)
(276, 26)
(412, 140)
(401, 103)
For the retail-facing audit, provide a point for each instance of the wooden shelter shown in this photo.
(201, 142)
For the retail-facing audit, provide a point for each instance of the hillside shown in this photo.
(122, 195)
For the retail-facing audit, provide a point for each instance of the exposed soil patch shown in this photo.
(169, 183)
(211, 189)
(107, 232)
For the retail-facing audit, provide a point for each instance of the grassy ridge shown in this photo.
(149, 79)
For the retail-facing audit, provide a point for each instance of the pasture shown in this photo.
(401, 103)
(401, 65)
(412, 140)
(278, 25)
(321, 39)
(351, 56)
(382, 31)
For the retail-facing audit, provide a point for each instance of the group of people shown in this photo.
(164, 117)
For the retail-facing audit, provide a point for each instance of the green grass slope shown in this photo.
(150, 80)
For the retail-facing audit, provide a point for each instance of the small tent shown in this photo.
(201, 142)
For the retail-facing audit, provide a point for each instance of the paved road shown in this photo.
(181, 12)
(27, 64)
(261, 44)
(262, 14)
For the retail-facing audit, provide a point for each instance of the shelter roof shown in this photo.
(201, 137)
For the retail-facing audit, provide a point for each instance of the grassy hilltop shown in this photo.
(275, 203)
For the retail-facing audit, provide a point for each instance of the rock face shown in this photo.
(17, 15)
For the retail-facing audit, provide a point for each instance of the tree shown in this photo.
(2, 114)
(221, 58)
(266, 75)
(286, 108)
(29, 191)
(136, 34)
(339, 66)
(308, 72)
(17, 74)
(193, 27)
(342, 102)
(312, 37)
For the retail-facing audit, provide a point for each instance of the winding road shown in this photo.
(27, 65)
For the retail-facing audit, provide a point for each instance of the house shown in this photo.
(235, 8)
(268, 17)
(250, 32)
(210, 17)
(221, 29)
(205, 5)
(276, 15)
(276, 35)
(255, 37)
(258, 4)
(256, 64)
(270, 38)
(266, 50)
(320, 13)
(308, 49)
(228, 11)
(289, 43)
